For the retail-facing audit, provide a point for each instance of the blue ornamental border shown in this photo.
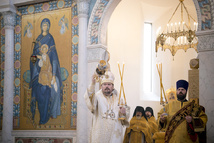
(206, 14)
(205, 9)
(53, 5)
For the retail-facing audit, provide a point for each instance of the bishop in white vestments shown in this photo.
(106, 128)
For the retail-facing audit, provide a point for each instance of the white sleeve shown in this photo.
(89, 97)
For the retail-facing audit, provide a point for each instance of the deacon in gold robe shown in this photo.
(177, 118)
(151, 119)
(139, 129)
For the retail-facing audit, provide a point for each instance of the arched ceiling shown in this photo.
(154, 9)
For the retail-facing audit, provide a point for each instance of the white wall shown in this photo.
(125, 43)
(125, 40)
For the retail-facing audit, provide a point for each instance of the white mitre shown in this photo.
(108, 77)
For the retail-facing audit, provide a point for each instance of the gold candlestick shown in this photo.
(159, 68)
(121, 85)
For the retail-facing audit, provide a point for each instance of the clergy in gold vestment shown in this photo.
(106, 128)
(139, 129)
(151, 119)
(177, 118)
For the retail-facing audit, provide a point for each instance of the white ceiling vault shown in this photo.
(154, 9)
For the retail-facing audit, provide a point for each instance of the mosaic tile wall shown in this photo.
(206, 15)
(39, 8)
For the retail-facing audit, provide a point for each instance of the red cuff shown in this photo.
(192, 137)
(190, 125)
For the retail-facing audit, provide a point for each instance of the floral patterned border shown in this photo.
(38, 8)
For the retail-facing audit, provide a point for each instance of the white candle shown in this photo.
(181, 40)
(179, 24)
(175, 26)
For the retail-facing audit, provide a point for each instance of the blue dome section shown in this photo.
(64, 73)
(26, 76)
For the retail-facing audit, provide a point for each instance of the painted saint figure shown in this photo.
(27, 29)
(63, 22)
(46, 88)
(45, 75)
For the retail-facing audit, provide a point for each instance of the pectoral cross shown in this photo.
(106, 113)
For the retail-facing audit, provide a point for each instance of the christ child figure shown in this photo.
(45, 75)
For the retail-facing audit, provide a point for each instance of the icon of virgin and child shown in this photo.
(46, 82)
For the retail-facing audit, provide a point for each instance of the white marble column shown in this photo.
(206, 78)
(82, 111)
(9, 22)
